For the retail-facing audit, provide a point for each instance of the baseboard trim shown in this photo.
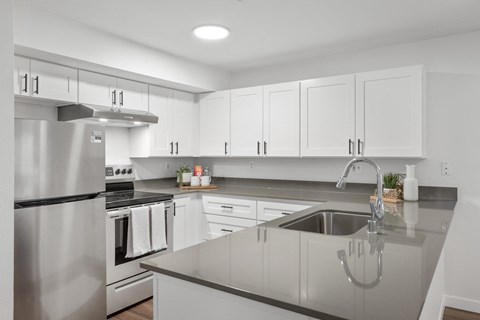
(462, 303)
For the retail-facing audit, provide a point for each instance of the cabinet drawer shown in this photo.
(127, 292)
(217, 226)
(230, 207)
(268, 211)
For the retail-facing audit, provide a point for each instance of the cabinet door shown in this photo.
(246, 122)
(97, 89)
(160, 104)
(180, 223)
(390, 112)
(183, 123)
(281, 120)
(214, 124)
(328, 116)
(132, 95)
(54, 82)
(21, 76)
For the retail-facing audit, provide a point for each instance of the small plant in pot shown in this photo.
(184, 176)
(392, 183)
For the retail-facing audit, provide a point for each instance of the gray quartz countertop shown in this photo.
(358, 276)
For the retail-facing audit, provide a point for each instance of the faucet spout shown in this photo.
(378, 209)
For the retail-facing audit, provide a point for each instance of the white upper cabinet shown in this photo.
(390, 113)
(183, 123)
(54, 82)
(246, 122)
(33, 78)
(154, 140)
(132, 95)
(328, 116)
(265, 121)
(21, 76)
(214, 124)
(281, 120)
(96, 89)
(173, 135)
(108, 91)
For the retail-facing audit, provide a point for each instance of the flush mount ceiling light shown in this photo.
(211, 32)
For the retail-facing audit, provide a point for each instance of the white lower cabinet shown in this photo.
(179, 299)
(182, 207)
(187, 222)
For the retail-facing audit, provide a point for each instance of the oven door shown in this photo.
(119, 267)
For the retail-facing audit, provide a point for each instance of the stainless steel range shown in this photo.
(127, 283)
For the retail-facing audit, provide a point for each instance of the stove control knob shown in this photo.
(124, 171)
(129, 171)
(117, 171)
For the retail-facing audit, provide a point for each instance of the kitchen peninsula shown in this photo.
(270, 272)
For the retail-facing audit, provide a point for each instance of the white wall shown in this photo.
(38, 30)
(6, 160)
(117, 145)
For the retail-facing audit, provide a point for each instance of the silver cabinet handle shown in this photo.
(258, 147)
(121, 98)
(114, 97)
(226, 148)
(226, 207)
(176, 147)
(285, 213)
(226, 230)
(171, 148)
(358, 147)
(25, 79)
(264, 148)
(37, 80)
(350, 142)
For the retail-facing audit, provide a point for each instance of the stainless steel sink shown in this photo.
(329, 222)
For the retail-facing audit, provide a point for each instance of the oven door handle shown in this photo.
(118, 213)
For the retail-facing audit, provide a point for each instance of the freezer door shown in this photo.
(60, 265)
(58, 159)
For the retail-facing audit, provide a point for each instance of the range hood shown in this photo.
(108, 116)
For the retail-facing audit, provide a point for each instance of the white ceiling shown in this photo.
(266, 32)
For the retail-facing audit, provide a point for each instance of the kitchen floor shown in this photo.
(141, 311)
(456, 314)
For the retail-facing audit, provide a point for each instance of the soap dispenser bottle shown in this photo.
(410, 184)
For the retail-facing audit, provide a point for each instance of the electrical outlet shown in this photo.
(251, 166)
(446, 168)
(356, 169)
(167, 166)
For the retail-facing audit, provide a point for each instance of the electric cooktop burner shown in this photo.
(123, 195)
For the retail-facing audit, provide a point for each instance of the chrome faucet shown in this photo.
(378, 210)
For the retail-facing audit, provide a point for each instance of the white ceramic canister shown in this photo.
(410, 184)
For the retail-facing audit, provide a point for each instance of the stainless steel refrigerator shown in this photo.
(60, 228)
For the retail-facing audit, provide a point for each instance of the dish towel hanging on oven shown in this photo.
(138, 235)
(159, 236)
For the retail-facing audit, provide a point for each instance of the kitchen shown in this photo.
(452, 70)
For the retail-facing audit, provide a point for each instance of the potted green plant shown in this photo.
(184, 175)
(391, 182)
